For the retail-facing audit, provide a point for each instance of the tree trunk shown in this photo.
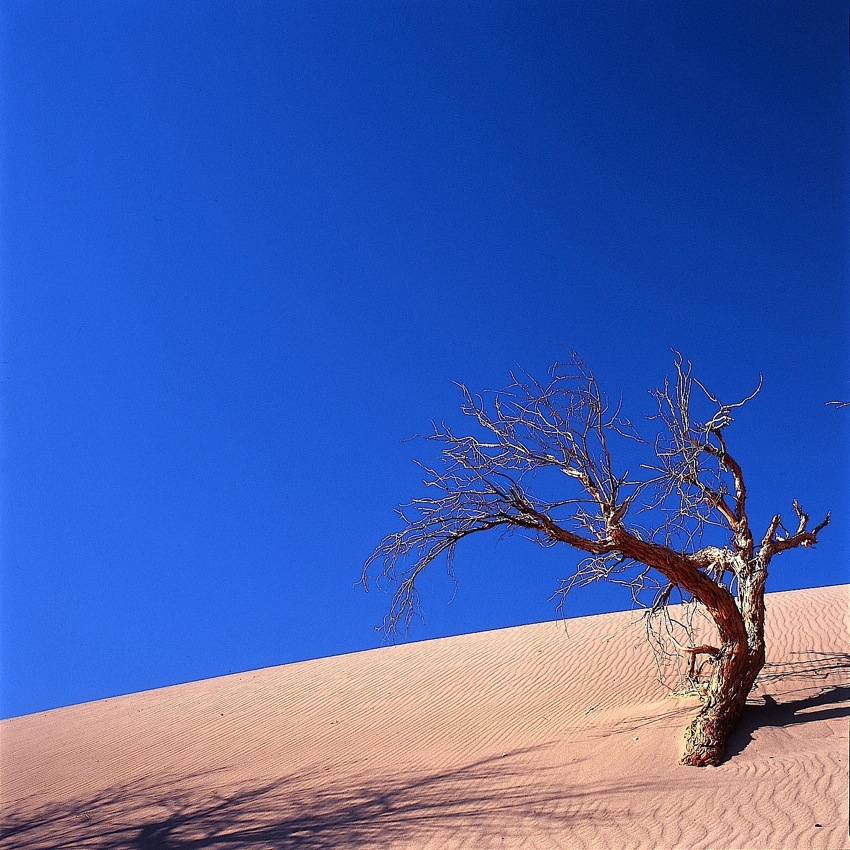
(708, 735)
(737, 664)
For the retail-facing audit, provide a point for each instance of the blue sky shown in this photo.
(248, 246)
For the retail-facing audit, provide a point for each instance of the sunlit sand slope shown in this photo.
(528, 737)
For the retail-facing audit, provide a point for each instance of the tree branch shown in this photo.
(772, 544)
(485, 482)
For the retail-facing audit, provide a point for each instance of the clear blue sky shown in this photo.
(247, 246)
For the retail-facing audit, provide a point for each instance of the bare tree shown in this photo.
(650, 531)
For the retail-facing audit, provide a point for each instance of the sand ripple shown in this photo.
(527, 737)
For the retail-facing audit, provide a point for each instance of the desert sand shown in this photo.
(543, 736)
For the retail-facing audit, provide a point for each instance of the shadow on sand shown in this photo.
(828, 703)
(489, 800)
(294, 812)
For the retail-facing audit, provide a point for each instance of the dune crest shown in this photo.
(534, 736)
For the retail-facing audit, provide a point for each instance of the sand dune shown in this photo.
(528, 737)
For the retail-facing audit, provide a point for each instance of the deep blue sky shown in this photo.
(247, 246)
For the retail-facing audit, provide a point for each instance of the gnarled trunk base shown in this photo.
(708, 735)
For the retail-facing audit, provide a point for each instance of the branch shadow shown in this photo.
(296, 811)
(817, 665)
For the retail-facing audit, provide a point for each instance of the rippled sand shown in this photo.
(537, 736)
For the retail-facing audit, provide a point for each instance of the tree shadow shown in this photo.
(830, 703)
(807, 668)
(298, 811)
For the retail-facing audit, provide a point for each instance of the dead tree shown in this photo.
(658, 524)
